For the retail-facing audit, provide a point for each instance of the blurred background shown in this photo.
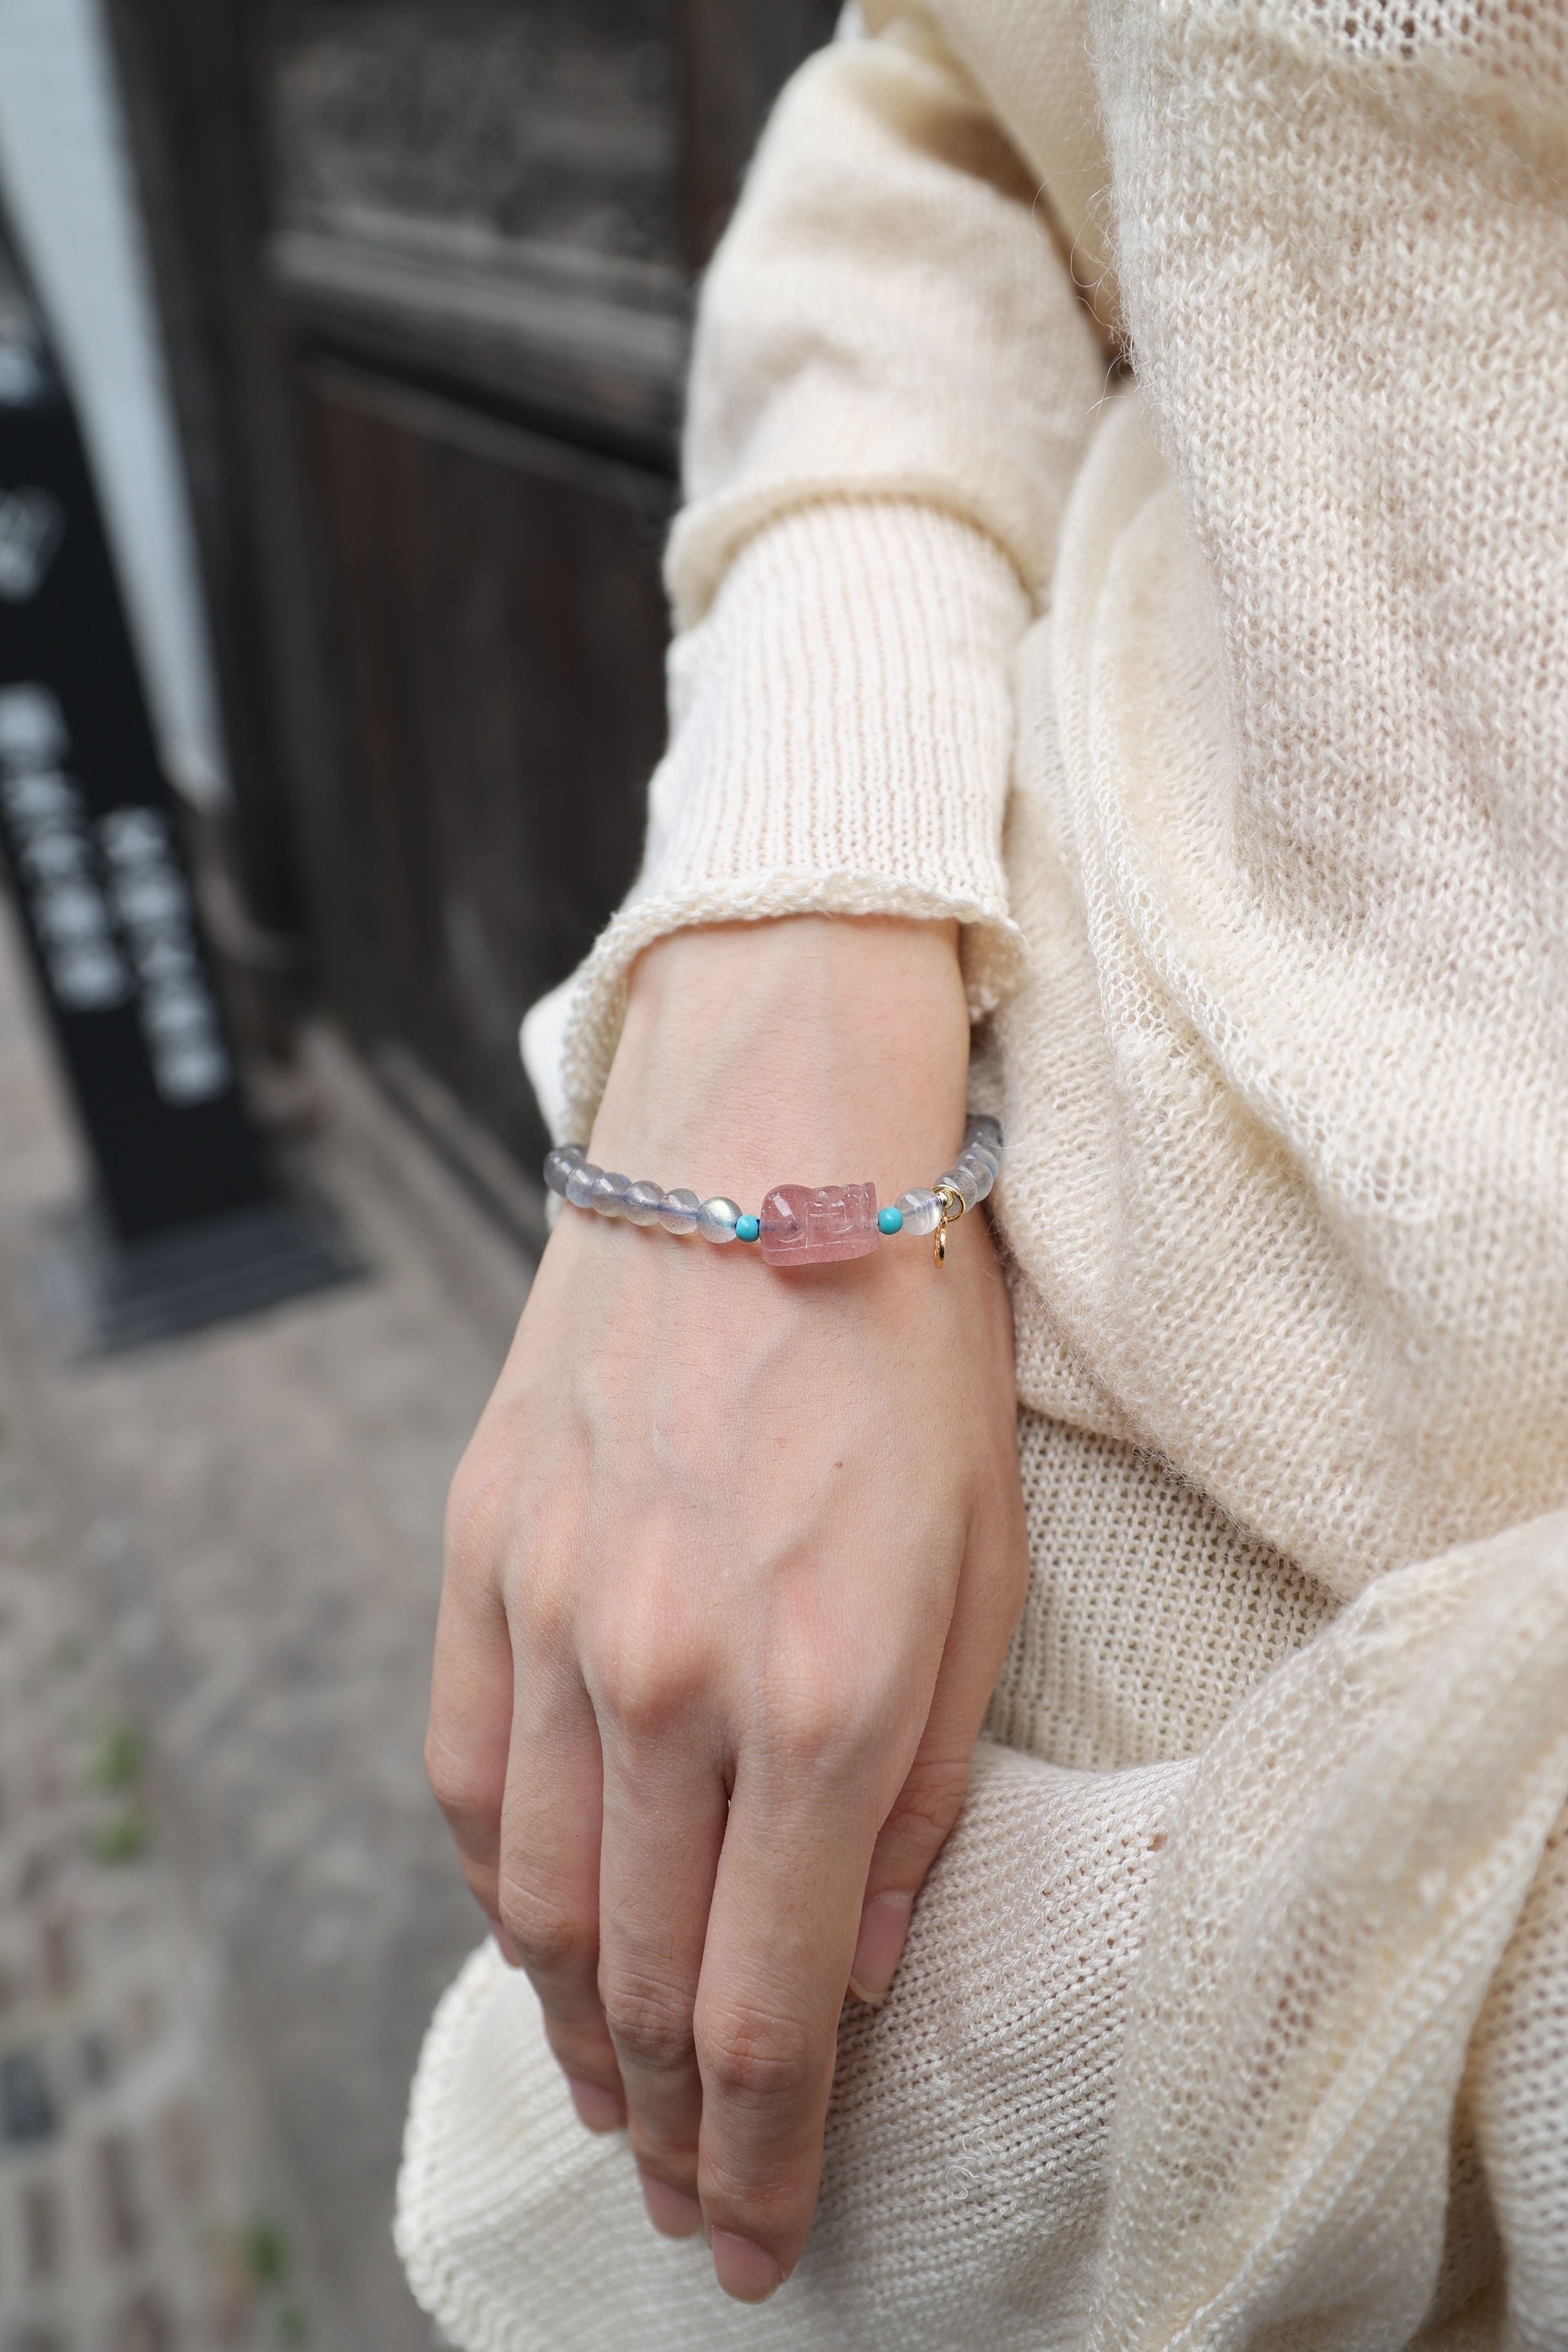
(341, 346)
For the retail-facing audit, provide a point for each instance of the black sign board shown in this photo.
(89, 835)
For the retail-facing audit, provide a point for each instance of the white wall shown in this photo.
(66, 175)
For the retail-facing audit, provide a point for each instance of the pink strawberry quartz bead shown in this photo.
(807, 1225)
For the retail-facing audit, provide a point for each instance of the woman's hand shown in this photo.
(733, 1561)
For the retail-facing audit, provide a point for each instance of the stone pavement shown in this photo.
(135, 2208)
(226, 1903)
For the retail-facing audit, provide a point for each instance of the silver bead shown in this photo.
(610, 1193)
(716, 1220)
(921, 1210)
(963, 1182)
(644, 1203)
(580, 1183)
(559, 1164)
(678, 1215)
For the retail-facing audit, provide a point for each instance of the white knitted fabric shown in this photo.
(1229, 714)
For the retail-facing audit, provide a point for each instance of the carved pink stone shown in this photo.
(805, 1227)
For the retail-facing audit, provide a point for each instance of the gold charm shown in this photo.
(951, 1205)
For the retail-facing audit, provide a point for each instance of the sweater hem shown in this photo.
(569, 1088)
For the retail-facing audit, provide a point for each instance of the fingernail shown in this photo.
(504, 1944)
(743, 2270)
(599, 2109)
(884, 1926)
(670, 2209)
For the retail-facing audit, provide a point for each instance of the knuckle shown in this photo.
(650, 2025)
(553, 1940)
(926, 1806)
(756, 2057)
(468, 1790)
(481, 1881)
(820, 1732)
(644, 1672)
(475, 1501)
(582, 2048)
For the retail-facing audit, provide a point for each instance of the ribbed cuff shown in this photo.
(842, 741)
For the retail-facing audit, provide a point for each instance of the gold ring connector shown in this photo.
(951, 1203)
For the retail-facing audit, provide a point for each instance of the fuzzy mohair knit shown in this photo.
(1128, 512)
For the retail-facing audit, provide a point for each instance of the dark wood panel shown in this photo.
(549, 124)
(557, 345)
(488, 193)
(501, 627)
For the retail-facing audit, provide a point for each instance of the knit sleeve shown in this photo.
(893, 384)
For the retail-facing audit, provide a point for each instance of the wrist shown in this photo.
(814, 1049)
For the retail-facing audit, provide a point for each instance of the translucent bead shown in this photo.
(610, 1193)
(559, 1164)
(580, 1183)
(717, 1220)
(963, 1182)
(644, 1203)
(982, 1128)
(921, 1210)
(678, 1215)
(985, 1175)
(978, 1148)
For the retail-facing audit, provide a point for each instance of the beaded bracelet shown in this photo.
(799, 1224)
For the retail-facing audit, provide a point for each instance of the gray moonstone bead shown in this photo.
(921, 1208)
(982, 1128)
(982, 1171)
(610, 1193)
(559, 1164)
(717, 1219)
(680, 1212)
(644, 1203)
(580, 1183)
(964, 1182)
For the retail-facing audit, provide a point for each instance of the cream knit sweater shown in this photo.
(1227, 710)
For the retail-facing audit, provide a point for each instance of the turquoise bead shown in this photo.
(890, 1221)
(747, 1229)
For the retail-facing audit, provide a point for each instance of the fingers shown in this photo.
(912, 1836)
(663, 1826)
(469, 1733)
(781, 1936)
(548, 1886)
(931, 1797)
